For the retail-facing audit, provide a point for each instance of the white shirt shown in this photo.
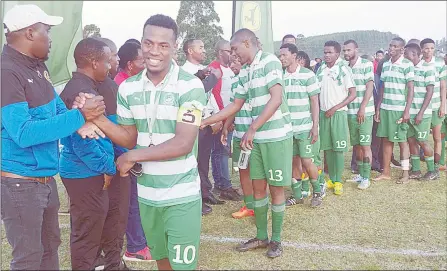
(211, 107)
(334, 86)
(225, 90)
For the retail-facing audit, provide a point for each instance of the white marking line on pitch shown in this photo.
(347, 248)
(322, 247)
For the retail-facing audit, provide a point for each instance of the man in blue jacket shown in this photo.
(33, 120)
(87, 167)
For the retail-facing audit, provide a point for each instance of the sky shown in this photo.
(125, 19)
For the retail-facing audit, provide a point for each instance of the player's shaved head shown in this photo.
(243, 35)
(414, 41)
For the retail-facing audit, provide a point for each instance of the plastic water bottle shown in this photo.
(244, 157)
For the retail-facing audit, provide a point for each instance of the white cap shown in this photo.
(22, 16)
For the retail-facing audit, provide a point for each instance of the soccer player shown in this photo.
(159, 111)
(337, 91)
(241, 122)
(269, 136)
(301, 89)
(421, 113)
(361, 111)
(438, 102)
(288, 39)
(393, 110)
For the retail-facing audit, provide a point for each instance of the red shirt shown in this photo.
(120, 77)
(375, 63)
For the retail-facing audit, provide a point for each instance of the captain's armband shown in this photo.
(189, 115)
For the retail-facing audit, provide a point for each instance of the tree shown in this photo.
(91, 30)
(199, 20)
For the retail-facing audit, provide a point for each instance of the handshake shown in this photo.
(92, 107)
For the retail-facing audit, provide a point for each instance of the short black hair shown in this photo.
(380, 52)
(188, 44)
(288, 36)
(87, 51)
(128, 52)
(133, 41)
(399, 39)
(425, 41)
(333, 43)
(164, 21)
(108, 42)
(415, 47)
(351, 41)
(291, 47)
(303, 55)
(247, 34)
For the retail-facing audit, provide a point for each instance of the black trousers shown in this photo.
(98, 220)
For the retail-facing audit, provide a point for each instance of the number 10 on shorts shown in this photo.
(187, 257)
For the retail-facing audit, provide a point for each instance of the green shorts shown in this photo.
(173, 232)
(389, 128)
(421, 131)
(334, 132)
(435, 119)
(360, 134)
(303, 147)
(236, 151)
(444, 127)
(272, 161)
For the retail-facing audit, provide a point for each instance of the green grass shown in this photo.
(386, 216)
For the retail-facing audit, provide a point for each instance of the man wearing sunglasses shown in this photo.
(220, 153)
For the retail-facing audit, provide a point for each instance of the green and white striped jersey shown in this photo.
(440, 69)
(299, 87)
(140, 103)
(395, 77)
(242, 120)
(424, 75)
(255, 81)
(362, 73)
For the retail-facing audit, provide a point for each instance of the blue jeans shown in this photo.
(136, 240)
(219, 162)
(29, 212)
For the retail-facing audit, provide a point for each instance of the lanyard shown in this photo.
(151, 117)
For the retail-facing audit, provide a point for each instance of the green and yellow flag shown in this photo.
(256, 16)
(64, 36)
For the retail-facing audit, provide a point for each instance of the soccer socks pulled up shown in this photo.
(430, 163)
(415, 163)
(366, 170)
(249, 201)
(331, 165)
(315, 186)
(296, 188)
(320, 176)
(261, 207)
(305, 186)
(277, 220)
(339, 165)
(360, 167)
(442, 160)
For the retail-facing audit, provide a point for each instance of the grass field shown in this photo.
(388, 226)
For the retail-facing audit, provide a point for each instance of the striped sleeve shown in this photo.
(430, 76)
(273, 73)
(368, 72)
(313, 87)
(125, 116)
(409, 73)
(347, 78)
(194, 97)
(443, 73)
(240, 92)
